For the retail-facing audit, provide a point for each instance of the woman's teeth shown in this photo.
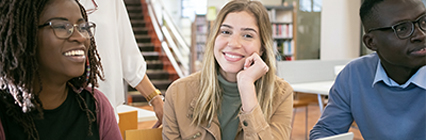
(232, 56)
(74, 53)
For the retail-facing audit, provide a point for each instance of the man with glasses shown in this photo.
(384, 92)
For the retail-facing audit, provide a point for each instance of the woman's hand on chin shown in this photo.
(254, 68)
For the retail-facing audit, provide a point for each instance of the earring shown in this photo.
(87, 70)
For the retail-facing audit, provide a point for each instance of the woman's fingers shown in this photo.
(254, 68)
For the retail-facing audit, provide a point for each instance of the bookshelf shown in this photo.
(200, 29)
(283, 28)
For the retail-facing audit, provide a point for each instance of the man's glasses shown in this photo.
(405, 29)
(64, 29)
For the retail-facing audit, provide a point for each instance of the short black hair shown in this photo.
(367, 10)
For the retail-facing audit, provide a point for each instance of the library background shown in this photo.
(172, 34)
(313, 39)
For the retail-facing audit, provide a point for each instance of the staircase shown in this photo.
(159, 69)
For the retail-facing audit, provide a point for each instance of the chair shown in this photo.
(144, 134)
(128, 121)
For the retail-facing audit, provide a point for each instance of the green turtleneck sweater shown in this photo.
(230, 107)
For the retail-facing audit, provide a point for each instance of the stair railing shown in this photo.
(172, 42)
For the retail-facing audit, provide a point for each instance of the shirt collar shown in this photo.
(419, 78)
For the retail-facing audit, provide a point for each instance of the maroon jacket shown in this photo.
(108, 127)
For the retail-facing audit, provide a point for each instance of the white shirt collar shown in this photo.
(419, 78)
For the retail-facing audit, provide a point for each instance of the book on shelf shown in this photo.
(282, 30)
(288, 58)
(288, 48)
(201, 38)
(284, 49)
(281, 18)
(271, 14)
(202, 29)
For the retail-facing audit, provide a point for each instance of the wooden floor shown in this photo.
(298, 132)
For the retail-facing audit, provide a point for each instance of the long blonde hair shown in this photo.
(210, 98)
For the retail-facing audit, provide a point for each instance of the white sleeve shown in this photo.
(133, 64)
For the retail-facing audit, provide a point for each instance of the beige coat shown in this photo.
(180, 101)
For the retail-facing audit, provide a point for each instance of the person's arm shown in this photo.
(252, 119)
(133, 64)
(108, 127)
(254, 68)
(255, 126)
(337, 116)
(145, 87)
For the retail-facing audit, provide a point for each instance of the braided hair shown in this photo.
(19, 66)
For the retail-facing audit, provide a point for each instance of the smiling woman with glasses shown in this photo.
(405, 29)
(49, 68)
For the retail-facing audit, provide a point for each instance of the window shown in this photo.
(192, 7)
(310, 5)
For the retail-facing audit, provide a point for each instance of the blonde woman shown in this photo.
(237, 94)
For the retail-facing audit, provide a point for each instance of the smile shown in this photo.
(233, 57)
(76, 56)
(74, 53)
(419, 52)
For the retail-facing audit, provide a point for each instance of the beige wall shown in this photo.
(340, 29)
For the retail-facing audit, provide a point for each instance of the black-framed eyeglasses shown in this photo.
(64, 29)
(405, 29)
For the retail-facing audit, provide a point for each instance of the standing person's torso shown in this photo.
(120, 56)
(107, 41)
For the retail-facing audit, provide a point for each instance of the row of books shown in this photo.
(200, 20)
(285, 49)
(203, 29)
(288, 47)
(200, 51)
(282, 30)
(201, 38)
(280, 57)
(288, 58)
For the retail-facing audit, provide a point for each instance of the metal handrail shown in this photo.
(174, 47)
(155, 24)
(174, 63)
(159, 16)
(175, 31)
